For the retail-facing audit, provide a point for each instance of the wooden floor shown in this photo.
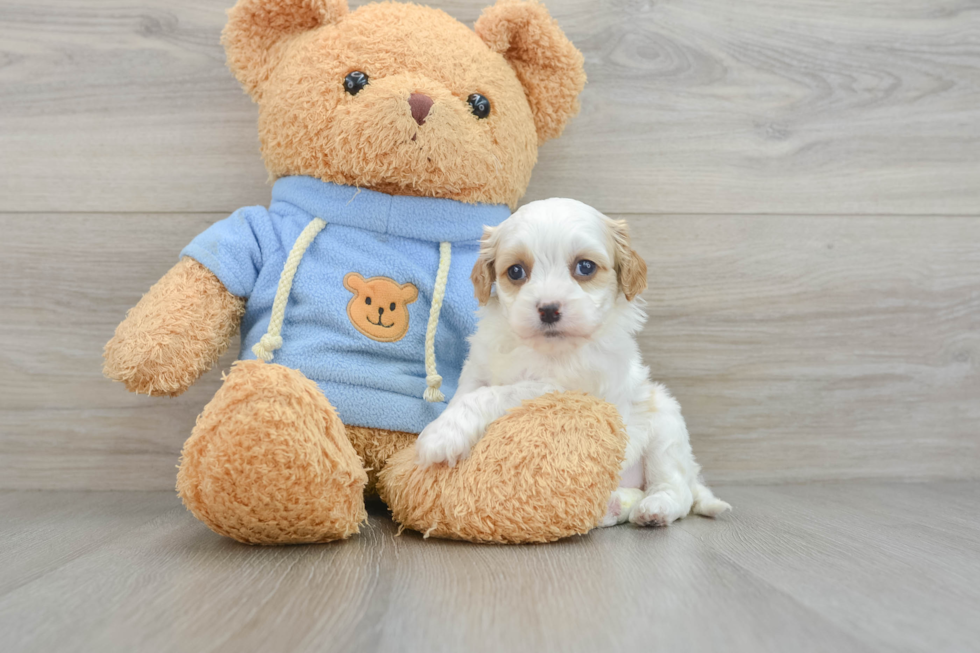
(824, 567)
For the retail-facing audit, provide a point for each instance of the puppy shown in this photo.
(564, 317)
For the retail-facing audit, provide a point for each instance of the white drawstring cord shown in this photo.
(272, 340)
(433, 381)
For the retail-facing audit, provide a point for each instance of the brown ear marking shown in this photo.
(631, 269)
(483, 271)
(257, 30)
(549, 67)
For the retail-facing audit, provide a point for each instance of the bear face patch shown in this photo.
(379, 308)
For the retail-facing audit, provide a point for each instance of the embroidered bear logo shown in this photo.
(379, 308)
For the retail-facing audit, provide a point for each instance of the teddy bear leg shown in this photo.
(542, 472)
(269, 461)
(375, 446)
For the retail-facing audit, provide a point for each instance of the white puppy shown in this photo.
(564, 317)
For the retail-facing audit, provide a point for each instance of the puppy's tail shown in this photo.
(706, 503)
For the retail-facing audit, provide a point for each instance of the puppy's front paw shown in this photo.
(659, 509)
(446, 440)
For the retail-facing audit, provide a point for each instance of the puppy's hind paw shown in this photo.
(659, 509)
(620, 505)
(711, 507)
(706, 503)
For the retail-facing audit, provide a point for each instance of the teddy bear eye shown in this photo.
(479, 105)
(391, 306)
(355, 81)
(367, 300)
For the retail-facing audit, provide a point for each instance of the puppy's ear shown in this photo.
(549, 67)
(484, 272)
(631, 269)
(258, 32)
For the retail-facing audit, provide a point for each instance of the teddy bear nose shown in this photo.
(420, 104)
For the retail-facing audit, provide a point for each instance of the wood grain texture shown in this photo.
(843, 567)
(46, 530)
(65, 288)
(833, 347)
(799, 347)
(693, 106)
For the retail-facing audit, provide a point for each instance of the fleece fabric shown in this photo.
(392, 240)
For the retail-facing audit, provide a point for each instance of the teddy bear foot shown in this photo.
(269, 461)
(542, 472)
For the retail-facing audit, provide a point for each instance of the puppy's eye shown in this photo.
(479, 105)
(355, 81)
(585, 268)
(515, 272)
(391, 306)
(367, 300)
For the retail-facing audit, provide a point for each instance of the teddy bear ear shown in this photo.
(353, 282)
(259, 30)
(409, 292)
(549, 67)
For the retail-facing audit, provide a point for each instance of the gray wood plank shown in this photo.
(844, 550)
(65, 287)
(45, 530)
(816, 567)
(830, 347)
(171, 585)
(760, 106)
(800, 347)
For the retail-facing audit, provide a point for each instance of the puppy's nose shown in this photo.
(420, 104)
(549, 313)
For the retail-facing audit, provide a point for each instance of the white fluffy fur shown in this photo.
(515, 356)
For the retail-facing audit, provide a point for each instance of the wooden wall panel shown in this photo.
(801, 348)
(693, 106)
(800, 174)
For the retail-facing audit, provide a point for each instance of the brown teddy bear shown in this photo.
(394, 134)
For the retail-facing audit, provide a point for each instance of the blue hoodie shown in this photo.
(390, 240)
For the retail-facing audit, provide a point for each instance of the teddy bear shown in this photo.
(393, 134)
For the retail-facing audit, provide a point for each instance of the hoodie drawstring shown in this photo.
(272, 340)
(432, 379)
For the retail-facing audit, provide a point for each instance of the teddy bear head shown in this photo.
(402, 98)
(379, 307)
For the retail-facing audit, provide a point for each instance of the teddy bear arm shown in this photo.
(175, 333)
